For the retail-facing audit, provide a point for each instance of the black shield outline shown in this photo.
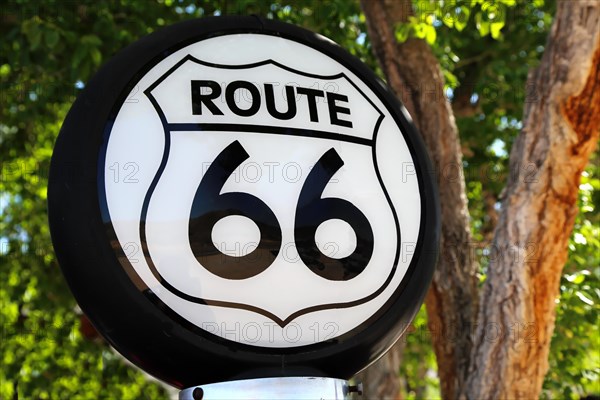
(168, 128)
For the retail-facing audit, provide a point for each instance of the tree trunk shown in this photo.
(414, 74)
(381, 379)
(561, 128)
(507, 355)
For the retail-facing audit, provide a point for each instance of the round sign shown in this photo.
(244, 198)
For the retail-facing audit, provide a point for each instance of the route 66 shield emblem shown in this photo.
(265, 194)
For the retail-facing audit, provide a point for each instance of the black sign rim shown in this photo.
(158, 340)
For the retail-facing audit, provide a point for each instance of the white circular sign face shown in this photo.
(261, 191)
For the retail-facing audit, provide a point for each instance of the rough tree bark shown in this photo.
(507, 355)
(561, 129)
(414, 74)
(380, 380)
(516, 314)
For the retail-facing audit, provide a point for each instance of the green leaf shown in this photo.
(448, 20)
(96, 56)
(576, 278)
(4, 70)
(78, 56)
(51, 38)
(461, 19)
(482, 26)
(495, 28)
(32, 30)
(403, 32)
(459, 25)
(450, 78)
(423, 30)
(430, 34)
(91, 40)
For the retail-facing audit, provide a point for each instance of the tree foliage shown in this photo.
(49, 50)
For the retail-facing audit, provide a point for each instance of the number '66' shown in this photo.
(209, 206)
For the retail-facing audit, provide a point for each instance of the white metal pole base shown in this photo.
(297, 388)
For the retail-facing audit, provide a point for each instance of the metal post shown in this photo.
(297, 388)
